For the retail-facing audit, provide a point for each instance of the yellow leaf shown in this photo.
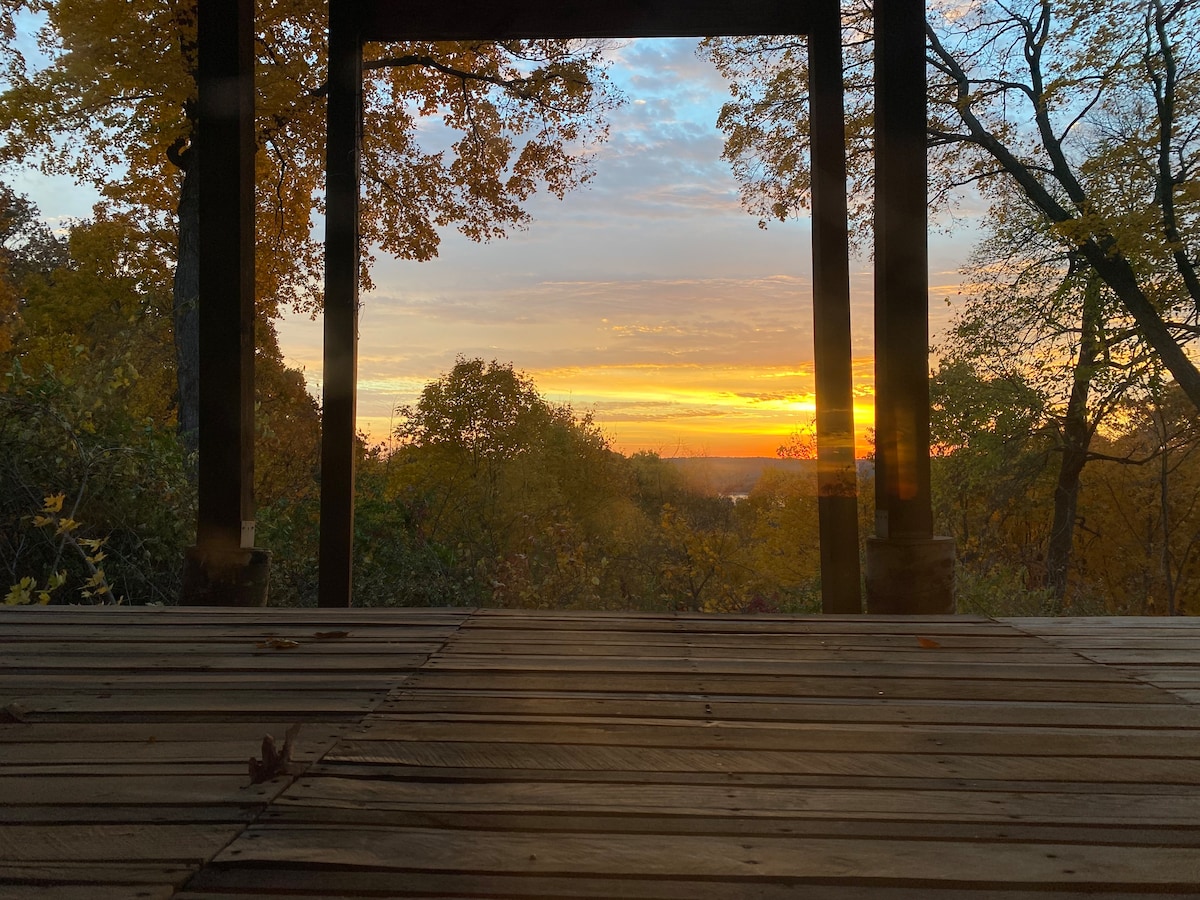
(15, 596)
(19, 593)
(53, 503)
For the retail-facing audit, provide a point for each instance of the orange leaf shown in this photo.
(928, 644)
(277, 644)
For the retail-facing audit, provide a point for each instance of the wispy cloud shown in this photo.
(649, 296)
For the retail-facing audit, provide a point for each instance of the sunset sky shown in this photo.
(649, 297)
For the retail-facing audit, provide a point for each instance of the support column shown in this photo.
(837, 476)
(224, 568)
(909, 570)
(338, 440)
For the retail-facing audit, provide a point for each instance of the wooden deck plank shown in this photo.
(133, 753)
(503, 753)
(202, 701)
(738, 802)
(130, 736)
(929, 666)
(168, 787)
(1159, 652)
(87, 892)
(497, 886)
(164, 732)
(101, 842)
(409, 702)
(614, 855)
(819, 739)
(872, 781)
(833, 684)
(125, 881)
(1038, 829)
(493, 757)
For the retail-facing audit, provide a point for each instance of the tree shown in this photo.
(487, 411)
(525, 495)
(93, 490)
(1035, 314)
(990, 454)
(104, 316)
(87, 413)
(27, 248)
(115, 105)
(1144, 520)
(1045, 96)
(782, 538)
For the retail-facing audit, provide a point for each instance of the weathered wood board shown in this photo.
(501, 753)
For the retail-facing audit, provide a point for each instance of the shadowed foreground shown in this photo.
(490, 753)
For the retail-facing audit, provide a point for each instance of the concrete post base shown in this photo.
(235, 577)
(910, 576)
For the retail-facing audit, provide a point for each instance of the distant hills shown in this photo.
(737, 475)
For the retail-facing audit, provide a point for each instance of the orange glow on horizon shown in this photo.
(744, 432)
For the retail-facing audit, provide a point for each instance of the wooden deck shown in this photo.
(495, 754)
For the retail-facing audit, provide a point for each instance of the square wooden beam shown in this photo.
(217, 568)
(453, 20)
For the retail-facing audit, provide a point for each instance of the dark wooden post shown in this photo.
(908, 569)
(341, 304)
(837, 476)
(223, 568)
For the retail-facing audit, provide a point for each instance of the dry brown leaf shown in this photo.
(15, 712)
(277, 644)
(275, 760)
(330, 635)
(928, 644)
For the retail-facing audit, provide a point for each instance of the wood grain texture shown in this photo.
(126, 735)
(502, 754)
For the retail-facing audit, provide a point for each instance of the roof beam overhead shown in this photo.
(453, 20)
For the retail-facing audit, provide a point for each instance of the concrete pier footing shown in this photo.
(228, 577)
(910, 576)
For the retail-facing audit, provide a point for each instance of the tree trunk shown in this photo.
(1164, 439)
(1076, 438)
(186, 306)
(1164, 507)
(1119, 275)
(1062, 530)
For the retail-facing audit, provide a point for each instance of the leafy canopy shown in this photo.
(455, 134)
(1093, 119)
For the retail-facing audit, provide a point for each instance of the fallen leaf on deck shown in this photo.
(275, 760)
(15, 712)
(928, 644)
(277, 644)
(330, 635)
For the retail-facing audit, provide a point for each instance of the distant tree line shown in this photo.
(1065, 397)
(489, 494)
